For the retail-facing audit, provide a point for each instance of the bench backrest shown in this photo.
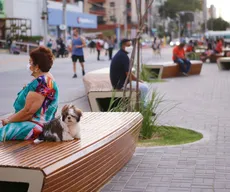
(99, 81)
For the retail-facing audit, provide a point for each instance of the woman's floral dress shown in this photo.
(26, 130)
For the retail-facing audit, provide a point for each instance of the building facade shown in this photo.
(211, 12)
(75, 17)
(31, 14)
(112, 14)
(30, 10)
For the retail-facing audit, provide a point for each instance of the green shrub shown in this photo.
(31, 39)
(147, 75)
(147, 109)
(194, 56)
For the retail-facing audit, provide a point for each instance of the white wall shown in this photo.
(30, 9)
(26, 9)
(9, 8)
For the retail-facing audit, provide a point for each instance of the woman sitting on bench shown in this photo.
(36, 103)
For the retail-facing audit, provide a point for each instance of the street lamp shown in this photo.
(178, 15)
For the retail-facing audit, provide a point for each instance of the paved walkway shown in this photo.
(204, 166)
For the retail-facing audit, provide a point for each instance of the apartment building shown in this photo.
(211, 12)
(113, 13)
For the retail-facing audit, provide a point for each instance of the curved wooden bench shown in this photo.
(107, 144)
(100, 91)
(223, 63)
(169, 69)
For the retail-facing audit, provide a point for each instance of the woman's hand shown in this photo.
(5, 121)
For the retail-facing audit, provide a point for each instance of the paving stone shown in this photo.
(203, 166)
(157, 189)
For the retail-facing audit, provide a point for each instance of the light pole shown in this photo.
(45, 16)
(64, 21)
(205, 15)
(179, 25)
(125, 20)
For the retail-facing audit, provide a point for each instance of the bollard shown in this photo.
(28, 49)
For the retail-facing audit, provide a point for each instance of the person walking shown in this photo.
(92, 46)
(106, 47)
(9, 42)
(99, 48)
(77, 52)
(111, 46)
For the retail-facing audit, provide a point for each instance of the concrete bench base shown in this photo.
(100, 92)
(214, 57)
(108, 142)
(169, 69)
(223, 63)
(102, 100)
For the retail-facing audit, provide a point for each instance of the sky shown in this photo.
(222, 8)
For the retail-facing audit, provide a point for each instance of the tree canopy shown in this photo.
(1, 6)
(172, 7)
(217, 24)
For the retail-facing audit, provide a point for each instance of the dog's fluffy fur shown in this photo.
(63, 128)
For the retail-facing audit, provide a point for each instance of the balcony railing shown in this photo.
(97, 11)
(68, 1)
(101, 22)
(96, 1)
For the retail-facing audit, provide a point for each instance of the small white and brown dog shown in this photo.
(63, 128)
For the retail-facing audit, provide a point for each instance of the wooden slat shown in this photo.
(108, 142)
(174, 70)
(27, 154)
(82, 163)
(81, 177)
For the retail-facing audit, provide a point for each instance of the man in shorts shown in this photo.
(77, 52)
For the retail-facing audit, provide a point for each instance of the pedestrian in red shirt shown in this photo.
(219, 46)
(180, 59)
(99, 48)
(190, 47)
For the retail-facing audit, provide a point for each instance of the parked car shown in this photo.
(14, 49)
(174, 42)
